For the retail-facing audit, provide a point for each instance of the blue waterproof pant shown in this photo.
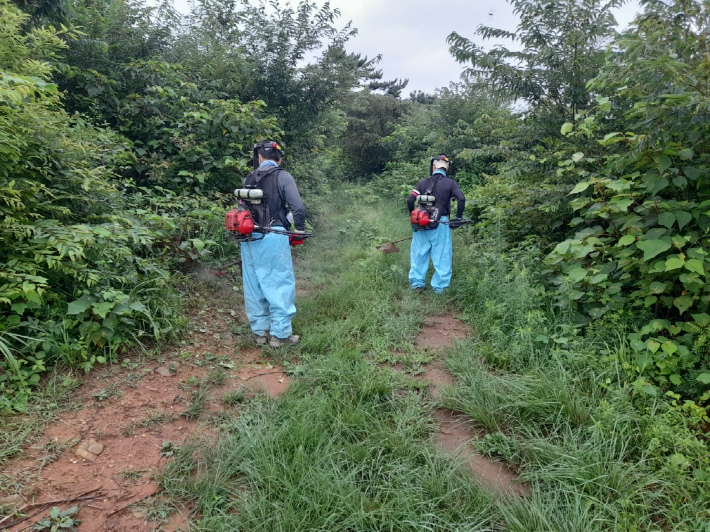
(436, 244)
(269, 284)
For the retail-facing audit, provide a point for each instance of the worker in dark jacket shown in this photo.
(267, 269)
(435, 242)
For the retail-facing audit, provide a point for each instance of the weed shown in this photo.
(156, 509)
(134, 378)
(235, 397)
(216, 377)
(132, 474)
(222, 419)
(155, 418)
(198, 402)
(59, 520)
(168, 448)
(111, 391)
(54, 396)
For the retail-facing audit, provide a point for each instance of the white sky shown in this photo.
(411, 34)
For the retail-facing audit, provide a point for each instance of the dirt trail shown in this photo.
(456, 430)
(112, 446)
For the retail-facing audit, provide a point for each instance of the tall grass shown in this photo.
(573, 425)
(349, 446)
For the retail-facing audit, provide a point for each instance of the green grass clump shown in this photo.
(340, 451)
(599, 455)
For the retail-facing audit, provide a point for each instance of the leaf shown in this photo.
(78, 306)
(666, 219)
(102, 309)
(651, 248)
(139, 307)
(686, 154)
(580, 187)
(674, 263)
(692, 173)
(665, 163)
(675, 379)
(657, 287)
(669, 347)
(562, 247)
(649, 389)
(626, 240)
(577, 274)
(566, 128)
(577, 156)
(694, 265)
(653, 346)
(199, 244)
(19, 308)
(683, 303)
(683, 218)
(704, 378)
(680, 181)
(702, 318)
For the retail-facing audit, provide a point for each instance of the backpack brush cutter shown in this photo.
(252, 217)
(389, 247)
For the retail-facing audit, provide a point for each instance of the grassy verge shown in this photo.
(558, 403)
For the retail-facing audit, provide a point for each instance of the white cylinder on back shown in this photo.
(426, 199)
(249, 193)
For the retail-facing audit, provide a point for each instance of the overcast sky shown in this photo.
(411, 34)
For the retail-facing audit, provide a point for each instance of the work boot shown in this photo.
(275, 341)
(261, 339)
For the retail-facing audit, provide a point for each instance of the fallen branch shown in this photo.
(262, 374)
(132, 503)
(43, 506)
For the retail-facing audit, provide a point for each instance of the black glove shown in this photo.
(455, 223)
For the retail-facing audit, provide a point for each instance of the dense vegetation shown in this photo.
(120, 133)
(583, 153)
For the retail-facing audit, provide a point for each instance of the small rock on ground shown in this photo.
(168, 370)
(89, 449)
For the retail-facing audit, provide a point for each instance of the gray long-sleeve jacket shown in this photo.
(280, 193)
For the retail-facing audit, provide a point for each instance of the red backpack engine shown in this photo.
(426, 215)
(239, 221)
(419, 218)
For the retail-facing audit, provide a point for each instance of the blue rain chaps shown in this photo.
(436, 244)
(269, 284)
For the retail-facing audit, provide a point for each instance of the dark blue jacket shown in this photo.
(443, 188)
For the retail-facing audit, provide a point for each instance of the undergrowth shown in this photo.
(349, 446)
(556, 401)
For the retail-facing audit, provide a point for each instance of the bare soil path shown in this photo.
(456, 431)
(114, 447)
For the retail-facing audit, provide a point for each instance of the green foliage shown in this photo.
(643, 204)
(558, 49)
(370, 120)
(59, 520)
(83, 272)
(561, 404)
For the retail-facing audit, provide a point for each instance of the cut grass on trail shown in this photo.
(349, 446)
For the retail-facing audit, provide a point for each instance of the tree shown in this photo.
(371, 119)
(558, 46)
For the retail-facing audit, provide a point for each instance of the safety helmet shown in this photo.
(440, 161)
(266, 145)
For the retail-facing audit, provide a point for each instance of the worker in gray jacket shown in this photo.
(267, 269)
